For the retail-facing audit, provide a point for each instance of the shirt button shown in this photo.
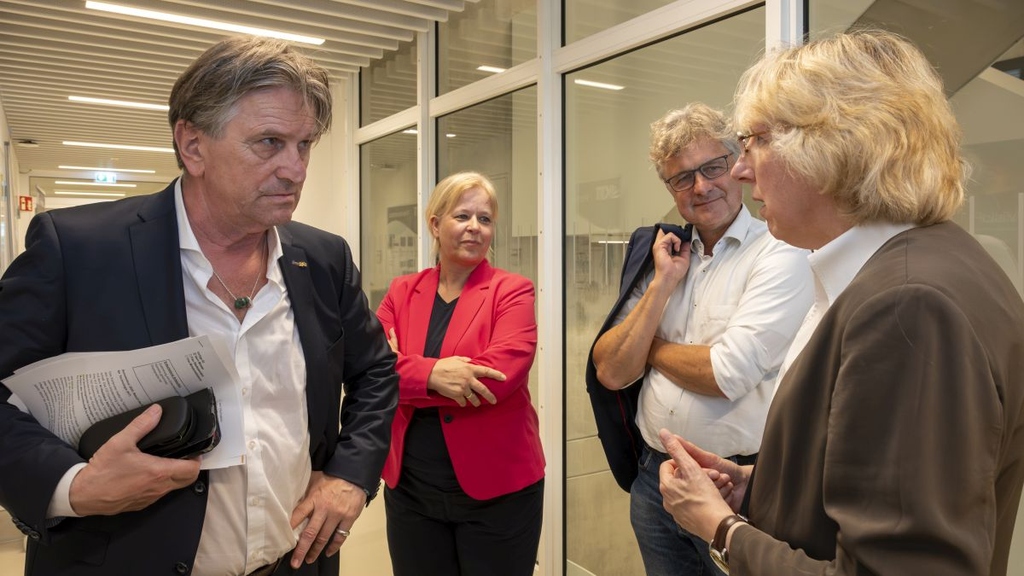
(181, 568)
(252, 445)
(199, 487)
(255, 501)
(448, 418)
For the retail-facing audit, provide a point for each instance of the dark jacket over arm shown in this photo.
(615, 410)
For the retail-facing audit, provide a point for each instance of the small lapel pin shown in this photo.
(300, 263)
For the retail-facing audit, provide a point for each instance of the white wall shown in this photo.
(17, 182)
(324, 203)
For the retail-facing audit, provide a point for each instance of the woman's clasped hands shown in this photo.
(456, 377)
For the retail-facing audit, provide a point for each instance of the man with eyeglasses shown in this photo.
(703, 333)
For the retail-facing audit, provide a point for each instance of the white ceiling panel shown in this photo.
(52, 49)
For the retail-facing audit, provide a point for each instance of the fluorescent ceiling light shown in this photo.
(83, 183)
(201, 22)
(98, 169)
(414, 131)
(493, 69)
(598, 85)
(143, 105)
(70, 193)
(119, 146)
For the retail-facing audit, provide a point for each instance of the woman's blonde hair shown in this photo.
(447, 194)
(863, 116)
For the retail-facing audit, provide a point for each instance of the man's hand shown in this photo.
(689, 493)
(330, 508)
(121, 478)
(671, 258)
(456, 378)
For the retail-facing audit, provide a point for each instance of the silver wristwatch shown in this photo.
(719, 553)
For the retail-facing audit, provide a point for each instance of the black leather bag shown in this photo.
(188, 427)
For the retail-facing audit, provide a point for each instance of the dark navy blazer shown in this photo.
(615, 410)
(108, 277)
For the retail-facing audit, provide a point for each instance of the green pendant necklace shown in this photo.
(242, 302)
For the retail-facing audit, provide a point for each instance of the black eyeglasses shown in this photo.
(746, 138)
(711, 169)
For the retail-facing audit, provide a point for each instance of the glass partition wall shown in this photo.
(389, 217)
(553, 99)
(484, 39)
(985, 87)
(7, 241)
(610, 190)
(498, 138)
(388, 85)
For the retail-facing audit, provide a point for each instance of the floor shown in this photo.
(12, 550)
(365, 553)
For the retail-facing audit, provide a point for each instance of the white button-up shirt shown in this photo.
(746, 302)
(834, 266)
(248, 514)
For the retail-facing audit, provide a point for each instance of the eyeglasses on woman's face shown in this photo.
(747, 139)
(685, 180)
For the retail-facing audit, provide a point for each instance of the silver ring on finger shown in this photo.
(470, 395)
(341, 532)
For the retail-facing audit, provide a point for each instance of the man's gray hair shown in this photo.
(205, 95)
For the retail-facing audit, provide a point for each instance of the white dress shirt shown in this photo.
(834, 265)
(248, 513)
(746, 302)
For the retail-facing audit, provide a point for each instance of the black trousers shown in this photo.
(432, 533)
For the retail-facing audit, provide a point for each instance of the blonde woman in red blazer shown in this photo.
(465, 472)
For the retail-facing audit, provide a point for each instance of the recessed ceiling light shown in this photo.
(119, 146)
(126, 104)
(493, 69)
(599, 85)
(201, 22)
(71, 193)
(97, 168)
(27, 144)
(84, 183)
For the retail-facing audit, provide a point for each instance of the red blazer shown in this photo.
(495, 449)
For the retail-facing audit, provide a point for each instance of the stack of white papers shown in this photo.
(70, 392)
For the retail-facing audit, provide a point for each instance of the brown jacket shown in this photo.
(895, 444)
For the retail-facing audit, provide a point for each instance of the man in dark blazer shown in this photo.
(214, 253)
(895, 443)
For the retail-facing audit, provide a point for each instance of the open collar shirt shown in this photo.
(746, 302)
(248, 514)
(834, 266)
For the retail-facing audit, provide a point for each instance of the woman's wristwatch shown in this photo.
(718, 551)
